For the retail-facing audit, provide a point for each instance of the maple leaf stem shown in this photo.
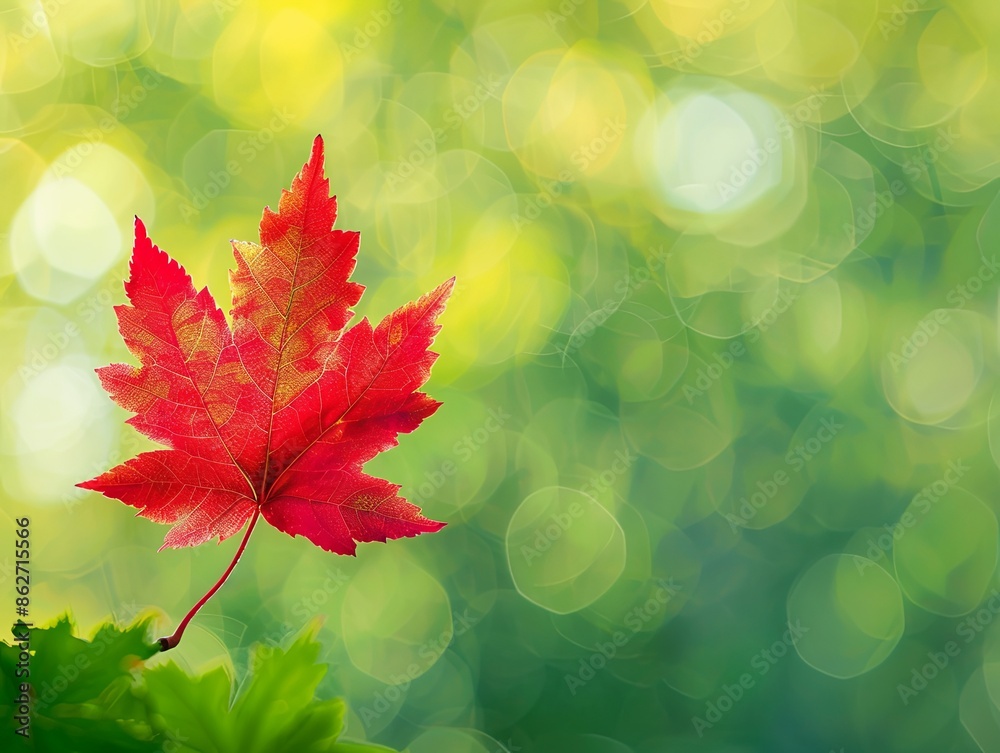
(171, 641)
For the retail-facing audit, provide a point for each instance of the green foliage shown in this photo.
(98, 696)
(273, 712)
(348, 746)
(82, 690)
(100, 662)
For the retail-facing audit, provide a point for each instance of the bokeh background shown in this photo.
(719, 443)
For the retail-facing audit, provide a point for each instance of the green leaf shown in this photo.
(192, 711)
(67, 669)
(275, 711)
(314, 730)
(83, 690)
(349, 746)
(96, 696)
(283, 681)
(80, 735)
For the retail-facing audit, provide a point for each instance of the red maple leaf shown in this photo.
(276, 416)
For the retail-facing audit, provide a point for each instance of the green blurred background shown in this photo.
(719, 443)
